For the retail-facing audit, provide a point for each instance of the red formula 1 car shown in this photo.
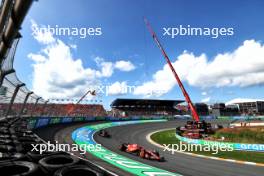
(141, 152)
(104, 133)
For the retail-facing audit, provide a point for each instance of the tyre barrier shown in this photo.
(76, 170)
(27, 146)
(17, 168)
(4, 130)
(5, 141)
(18, 158)
(5, 136)
(36, 156)
(54, 162)
(7, 157)
(30, 138)
(7, 148)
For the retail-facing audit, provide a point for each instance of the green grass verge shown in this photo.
(168, 137)
(247, 135)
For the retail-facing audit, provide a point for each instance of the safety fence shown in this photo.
(15, 98)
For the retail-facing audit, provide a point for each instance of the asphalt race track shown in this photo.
(62, 134)
(179, 163)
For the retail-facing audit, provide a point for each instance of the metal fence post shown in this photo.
(13, 98)
(24, 103)
(44, 107)
(35, 105)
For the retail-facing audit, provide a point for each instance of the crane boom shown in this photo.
(91, 92)
(71, 108)
(187, 97)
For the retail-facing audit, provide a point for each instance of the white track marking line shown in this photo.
(197, 155)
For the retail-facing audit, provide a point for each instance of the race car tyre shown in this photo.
(122, 147)
(162, 159)
(54, 162)
(156, 152)
(147, 156)
(142, 154)
(76, 170)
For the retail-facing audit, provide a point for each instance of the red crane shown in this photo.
(70, 108)
(93, 93)
(187, 98)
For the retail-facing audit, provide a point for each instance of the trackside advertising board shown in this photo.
(37, 122)
(235, 146)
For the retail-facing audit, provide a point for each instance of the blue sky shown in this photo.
(125, 38)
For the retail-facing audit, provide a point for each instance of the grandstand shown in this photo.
(202, 109)
(78, 110)
(249, 106)
(144, 107)
(53, 110)
(220, 109)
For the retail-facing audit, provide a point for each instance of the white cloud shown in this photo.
(153, 88)
(124, 65)
(206, 100)
(40, 34)
(162, 82)
(37, 58)
(107, 68)
(57, 74)
(242, 67)
(73, 46)
(204, 93)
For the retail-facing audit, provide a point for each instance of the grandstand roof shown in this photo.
(243, 100)
(141, 103)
